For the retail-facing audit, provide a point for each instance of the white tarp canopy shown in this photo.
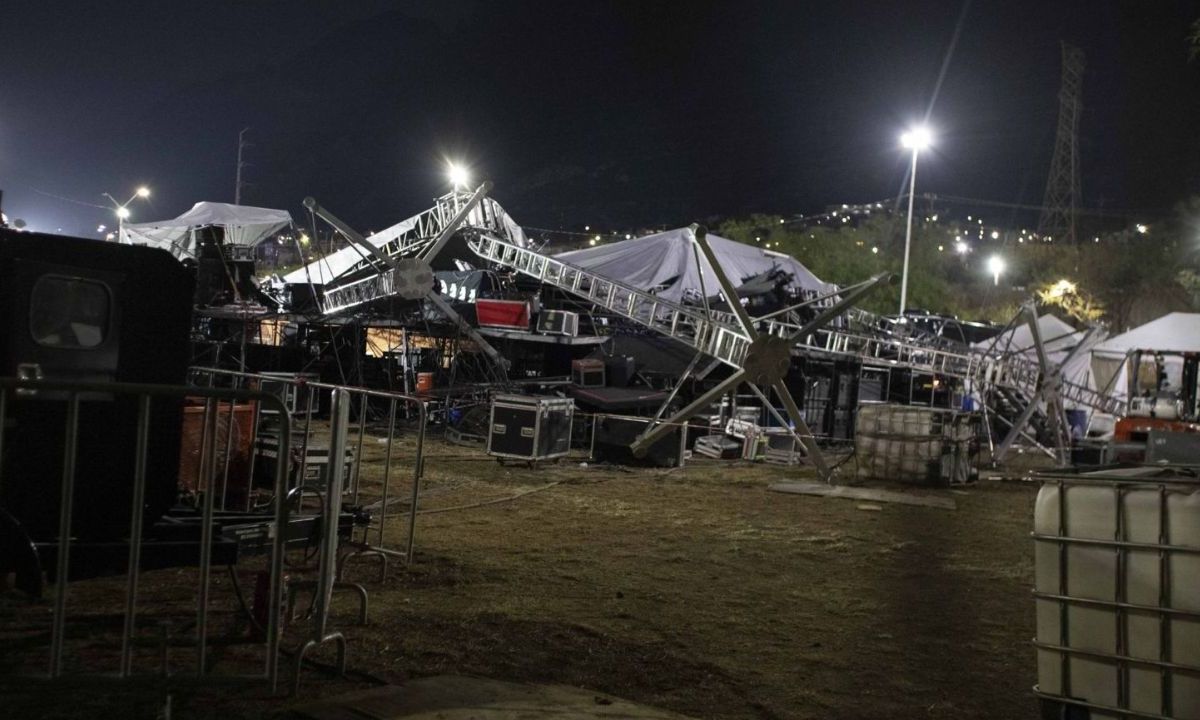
(243, 225)
(1058, 339)
(1173, 332)
(665, 263)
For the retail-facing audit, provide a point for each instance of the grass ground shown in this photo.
(697, 590)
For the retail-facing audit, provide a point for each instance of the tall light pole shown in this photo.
(916, 139)
(459, 177)
(995, 267)
(122, 209)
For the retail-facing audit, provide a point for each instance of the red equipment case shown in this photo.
(508, 314)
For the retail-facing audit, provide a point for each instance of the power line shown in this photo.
(67, 199)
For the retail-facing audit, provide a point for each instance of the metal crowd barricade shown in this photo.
(375, 542)
(77, 392)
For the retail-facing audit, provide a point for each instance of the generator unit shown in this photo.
(532, 428)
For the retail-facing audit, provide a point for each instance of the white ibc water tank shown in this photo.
(1118, 592)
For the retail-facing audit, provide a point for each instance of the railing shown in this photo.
(22, 402)
(343, 402)
(363, 402)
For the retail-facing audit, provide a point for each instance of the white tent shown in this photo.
(244, 225)
(1173, 332)
(1058, 339)
(665, 263)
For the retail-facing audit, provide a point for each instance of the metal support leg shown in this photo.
(805, 434)
(642, 445)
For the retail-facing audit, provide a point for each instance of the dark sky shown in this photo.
(604, 113)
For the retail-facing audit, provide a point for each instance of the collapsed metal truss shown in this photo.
(728, 337)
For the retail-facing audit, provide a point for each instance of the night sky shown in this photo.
(613, 114)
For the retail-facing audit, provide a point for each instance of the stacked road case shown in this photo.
(532, 428)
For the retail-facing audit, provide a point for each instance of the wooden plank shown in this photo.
(862, 493)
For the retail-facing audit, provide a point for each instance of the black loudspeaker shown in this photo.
(614, 435)
(620, 371)
(89, 311)
(211, 283)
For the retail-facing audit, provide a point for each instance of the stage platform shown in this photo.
(616, 399)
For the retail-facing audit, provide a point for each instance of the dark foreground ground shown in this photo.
(696, 590)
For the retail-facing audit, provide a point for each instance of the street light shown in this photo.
(122, 209)
(995, 267)
(916, 139)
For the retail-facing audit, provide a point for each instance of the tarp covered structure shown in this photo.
(666, 264)
(243, 225)
(1173, 332)
(1058, 340)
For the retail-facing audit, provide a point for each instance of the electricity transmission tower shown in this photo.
(237, 190)
(1062, 186)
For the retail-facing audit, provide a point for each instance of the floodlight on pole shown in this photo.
(122, 209)
(458, 175)
(915, 139)
(918, 138)
(995, 267)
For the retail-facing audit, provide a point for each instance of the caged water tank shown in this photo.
(1117, 593)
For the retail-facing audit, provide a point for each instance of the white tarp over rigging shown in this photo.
(665, 263)
(243, 225)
